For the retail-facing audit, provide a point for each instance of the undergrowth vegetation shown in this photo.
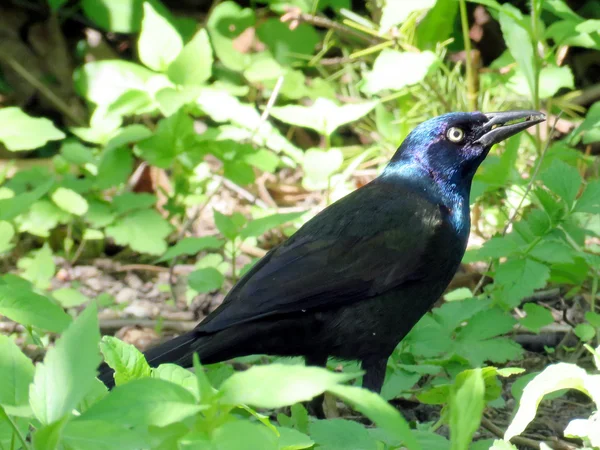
(145, 114)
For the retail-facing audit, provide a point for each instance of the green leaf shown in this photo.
(497, 350)
(19, 131)
(121, 16)
(552, 79)
(466, 408)
(69, 297)
(593, 318)
(292, 439)
(17, 374)
(258, 227)
(319, 165)
(585, 332)
(589, 202)
(519, 278)
(7, 233)
(486, 324)
(384, 75)
(178, 375)
(379, 411)
(31, 309)
(553, 252)
(55, 5)
(130, 103)
(536, 318)
(323, 116)
(553, 378)
(204, 280)
(68, 370)
(191, 246)
(340, 434)
(144, 231)
(101, 435)
(563, 180)
(193, 66)
(438, 24)
(12, 207)
(157, 402)
(70, 201)
(225, 24)
(126, 360)
(76, 153)
(519, 42)
(278, 385)
(39, 268)
(288, 45)
(229, 437)
(395, 12)
(116, 164)
(229, 226)
(159, 42)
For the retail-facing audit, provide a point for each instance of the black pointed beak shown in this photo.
(502, 125)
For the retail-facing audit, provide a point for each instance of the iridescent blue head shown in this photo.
(450, 148)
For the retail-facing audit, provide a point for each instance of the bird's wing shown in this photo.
(369, 242)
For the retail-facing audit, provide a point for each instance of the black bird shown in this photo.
(354, 280)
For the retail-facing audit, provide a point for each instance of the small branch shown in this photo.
(555, 443)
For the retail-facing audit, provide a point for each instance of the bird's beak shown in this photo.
(502, 125)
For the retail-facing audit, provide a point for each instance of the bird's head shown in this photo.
(451, 147)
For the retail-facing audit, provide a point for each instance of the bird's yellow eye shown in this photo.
(455, 134)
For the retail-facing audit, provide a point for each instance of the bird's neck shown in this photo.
(450, 189)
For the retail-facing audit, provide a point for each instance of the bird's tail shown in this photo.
(179, 350)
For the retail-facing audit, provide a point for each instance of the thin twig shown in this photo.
(43, 89)
(555, 443)
(515, 212)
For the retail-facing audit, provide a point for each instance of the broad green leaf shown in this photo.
(486, 324)
(76, 153)
(103, 82)
(536, 318)
(387, 75)
(19, 131)
(292, 439)
(69, 297)
(121, 16)
(126, 360)
(170, 100)
(395, 12)
(39, 268)
(379, 411)
(552, 252)
(225, 24)
(99, 214)
(551, 80)
(193, 66)
(458, 294)
(157, 402)
(131, 103)
(466, 408)
(17, 374)
(243, 435)
(191, 246)
(7, 232)
(589, 201)
(31, 309)
(319, 165)
(127, 135)
(207, 279)
(585, 332)
(101, 435)
(178, 375)
(593, 318)
(323, 116)
(562, 179)
(19, 204)
(70, 201)
(341, 434)
(48, 436)
(43, 216)
(229, 226)
(144, 231)
(519, 43)
(288, 45)
(258, 227)
(68, 370)
(159, 42)
(497, 350)
(518, 278)
(553, 378)
(278, 385)
(438, 24)
(116, 164)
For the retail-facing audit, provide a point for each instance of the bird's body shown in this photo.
(355, 279)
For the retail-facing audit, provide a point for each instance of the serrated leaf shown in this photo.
(178, 375)
(115, 166)
(157, 402)
(486, 324)
(229, 226)
(193, 65)
(204, 280)
(536, 318)
(497, 350)
(68, 370)
(191, 246)
(278, 385)
(19, 131)
(125, 359)
(70, 201)
(258, 227)
(562, 179)
(159, 42)
(38, 268)
(466, 407)
(518, 278)
(144, 231)
(386, 76)
(17, 373)
(130, 201)
(552, 252)
(19, 204)
(7, 232)
(589, 202)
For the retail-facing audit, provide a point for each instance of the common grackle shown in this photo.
(355, 279)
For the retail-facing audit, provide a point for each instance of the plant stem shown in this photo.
(593, 302)
(535, 13)
(14, 427)
(471, 92)
(233, 258)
